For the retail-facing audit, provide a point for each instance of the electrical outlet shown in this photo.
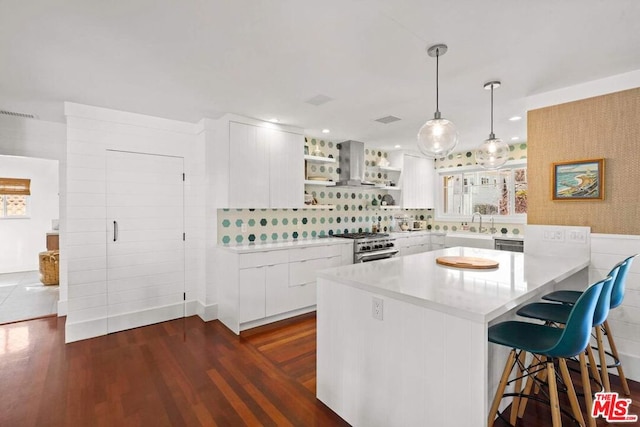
(243, 227)
(377, 306)
(577, 236)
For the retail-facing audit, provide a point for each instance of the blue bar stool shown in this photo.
(557, 314)
(617, 295)
(547, 344)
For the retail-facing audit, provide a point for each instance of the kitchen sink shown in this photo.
(469, 239)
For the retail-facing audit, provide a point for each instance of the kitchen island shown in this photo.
(403, 341)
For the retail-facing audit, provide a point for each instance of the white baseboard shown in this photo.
(76, 331)
(631, 366)
(276, 318)
(207, 312)
(84, 330)
(62, 308)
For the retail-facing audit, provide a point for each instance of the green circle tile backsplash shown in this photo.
(291, 224)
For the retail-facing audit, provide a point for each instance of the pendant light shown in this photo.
(493, 152)
(438, 136)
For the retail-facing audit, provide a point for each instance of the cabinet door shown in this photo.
(286, 169)
(251, 294)
(417, 182)
(248, 166)
(277, 300)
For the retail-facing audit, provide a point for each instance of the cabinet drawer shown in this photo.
(402, 242)
(419, 240)
(304, 272)
(437, 239)
(259, 259)
(313, 252)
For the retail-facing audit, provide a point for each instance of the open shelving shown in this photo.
(319, 159)
(319, 183)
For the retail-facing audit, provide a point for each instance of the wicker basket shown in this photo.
(49, 270)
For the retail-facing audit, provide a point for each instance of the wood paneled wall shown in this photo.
(606, 126)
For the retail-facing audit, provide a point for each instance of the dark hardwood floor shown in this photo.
(180, 373)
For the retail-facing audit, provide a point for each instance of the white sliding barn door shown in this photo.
(145, 246)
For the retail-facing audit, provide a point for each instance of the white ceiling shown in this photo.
(191, 59)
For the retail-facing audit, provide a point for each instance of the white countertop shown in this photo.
(280, 245)
(477, 295)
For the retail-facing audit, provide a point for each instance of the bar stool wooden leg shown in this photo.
(501, 386)
(573, 399)
(542, 375)
(603, 360)
(614, 351)
(529, 385)
(517, 388)
(553, 395)
(593, 365)
(586, 389)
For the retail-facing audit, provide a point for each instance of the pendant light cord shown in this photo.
(492, 135)
(437, 82)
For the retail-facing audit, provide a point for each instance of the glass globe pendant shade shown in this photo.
(437, 137)
(493, 153)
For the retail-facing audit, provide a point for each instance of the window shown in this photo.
(14, 197)
(501, 193)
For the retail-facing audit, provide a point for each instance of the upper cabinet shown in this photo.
(257, 164)
(416, 179)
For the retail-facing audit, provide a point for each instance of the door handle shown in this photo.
(115, 231)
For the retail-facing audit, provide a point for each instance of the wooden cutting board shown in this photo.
(467, 262)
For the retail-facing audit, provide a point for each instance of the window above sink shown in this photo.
(501, 193)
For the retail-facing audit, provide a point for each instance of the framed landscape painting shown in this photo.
(578, 180)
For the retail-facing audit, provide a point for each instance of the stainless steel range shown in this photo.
(371, 246)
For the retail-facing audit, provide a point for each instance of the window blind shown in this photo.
(15, 186)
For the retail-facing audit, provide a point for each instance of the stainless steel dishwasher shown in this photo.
(509, 245)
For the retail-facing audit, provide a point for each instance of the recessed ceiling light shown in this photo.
(325, 131)
(397, 146)
(515, 118)
(515, 138)
(274, 120)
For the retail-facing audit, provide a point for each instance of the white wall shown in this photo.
(23, 238)
(606, 251)
(90, 132)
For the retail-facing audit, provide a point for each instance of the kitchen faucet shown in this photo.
(492, 230)
(473, 218)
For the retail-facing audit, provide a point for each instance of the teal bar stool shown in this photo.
(547, 344)
(617, 296)
(557, 314)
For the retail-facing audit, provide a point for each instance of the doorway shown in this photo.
(145, 239)
(25, 222)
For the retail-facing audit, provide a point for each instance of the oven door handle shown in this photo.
(387, 253)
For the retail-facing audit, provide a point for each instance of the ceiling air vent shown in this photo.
(388, 119)
(319, 100)
(14, 114)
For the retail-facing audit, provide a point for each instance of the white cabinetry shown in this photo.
(417, 179)
(253, 164)
(437, 241)
(265, 167)
(413, 244)
(265, 286)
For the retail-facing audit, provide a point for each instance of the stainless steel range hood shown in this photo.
(352, 164)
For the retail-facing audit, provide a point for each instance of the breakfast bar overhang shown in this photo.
(403, 341)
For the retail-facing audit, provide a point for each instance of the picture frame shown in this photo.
(578, 180)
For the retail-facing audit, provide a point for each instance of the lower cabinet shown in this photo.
(256, 288)
(300, 289)
(413, 244)
(437, 241)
